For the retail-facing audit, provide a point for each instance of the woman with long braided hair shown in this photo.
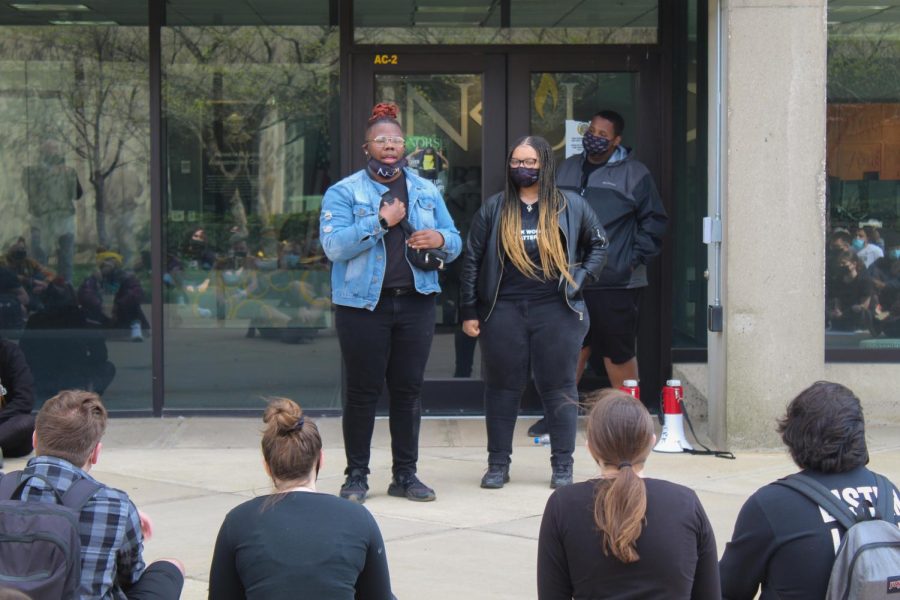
(530, 250)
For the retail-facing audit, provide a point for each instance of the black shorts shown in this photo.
(614, 323)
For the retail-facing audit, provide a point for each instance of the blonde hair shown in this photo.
(619, 433)
(551, 203)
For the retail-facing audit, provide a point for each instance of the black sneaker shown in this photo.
(496, 476)
(356, 486)
(407, 485)
(539, 428)
(561, 476)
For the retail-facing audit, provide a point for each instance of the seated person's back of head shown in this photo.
(784, 544)
(326, 546)
(624, 536)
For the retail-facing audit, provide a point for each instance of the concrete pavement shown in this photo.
(471, 543)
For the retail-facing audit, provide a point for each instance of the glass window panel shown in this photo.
(863, 146)
(560, 97)
(252, 145)
(442, 122)
(76, 219)
(689, 294)
(531, 22)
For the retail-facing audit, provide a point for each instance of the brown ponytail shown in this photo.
(290, 443)
(620, 433)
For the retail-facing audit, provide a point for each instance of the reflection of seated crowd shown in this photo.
(277, 287)
(862, 282)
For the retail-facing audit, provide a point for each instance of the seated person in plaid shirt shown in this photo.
(67, 443)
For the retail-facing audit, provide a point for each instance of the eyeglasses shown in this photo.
(381, 140)
(529, 163)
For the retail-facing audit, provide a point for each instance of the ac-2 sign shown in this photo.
(386, 59)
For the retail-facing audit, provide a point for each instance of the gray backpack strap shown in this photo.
(885, 505)
(821, 495)
(79, 493)
(9, 483)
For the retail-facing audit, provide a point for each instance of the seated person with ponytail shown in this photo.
(297, 542)
(622, 535)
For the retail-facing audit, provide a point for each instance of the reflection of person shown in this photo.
(622, 193)
(123, 189)
(784, 544)
(432, 162)
(65, 350)
(16, 402)
(623, 535)
(13, 303)
(385, 307)
(529, 253)
(867, 252)
(126, 310)
(32, 275)
(331, 549)
(67, 435)
(849, 294)
(52, 189)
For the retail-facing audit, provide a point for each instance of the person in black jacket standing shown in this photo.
(621, 191)
(16, 402)
(530, 250)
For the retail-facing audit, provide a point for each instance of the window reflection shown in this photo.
(74, 237)
(252, 117)
(862, 289)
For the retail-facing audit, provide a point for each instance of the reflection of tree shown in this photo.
(98, 77)
(229, 86)
(864, 63)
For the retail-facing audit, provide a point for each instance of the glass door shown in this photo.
(555, 96)
(451, 109)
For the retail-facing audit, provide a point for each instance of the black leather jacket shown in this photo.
(482, 269)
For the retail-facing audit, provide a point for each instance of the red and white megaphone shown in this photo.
(672, 438)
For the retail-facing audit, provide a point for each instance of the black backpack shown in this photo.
(867, 563)
(40, 548)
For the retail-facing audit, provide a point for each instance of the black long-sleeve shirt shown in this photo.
(16, 377)
(677, 549)
(785, 544)
(302, 545)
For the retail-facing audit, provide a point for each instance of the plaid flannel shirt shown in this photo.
(110, 529)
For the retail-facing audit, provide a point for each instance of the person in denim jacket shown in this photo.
(385, 307)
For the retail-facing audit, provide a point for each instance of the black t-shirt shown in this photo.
(677, 549)
(785, 543)
(303, 545)
(515, 285)
(587, 167)
(397, 272)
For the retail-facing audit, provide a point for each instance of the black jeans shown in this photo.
(388, 344)
(15, 434)
(547, 335)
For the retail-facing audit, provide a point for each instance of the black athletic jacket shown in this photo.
(583, 236)
(623, 195)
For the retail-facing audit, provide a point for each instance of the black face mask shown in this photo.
(384, 170)
(524, 176)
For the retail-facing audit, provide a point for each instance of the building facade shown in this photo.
(167, 160)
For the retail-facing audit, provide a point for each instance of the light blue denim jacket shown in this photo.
(354, 240)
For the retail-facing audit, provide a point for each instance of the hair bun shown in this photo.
(282, 414)
(384, 110)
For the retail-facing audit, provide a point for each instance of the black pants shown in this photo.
(388, 344)
(546, 334)
(15, 435)
(160, 581)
